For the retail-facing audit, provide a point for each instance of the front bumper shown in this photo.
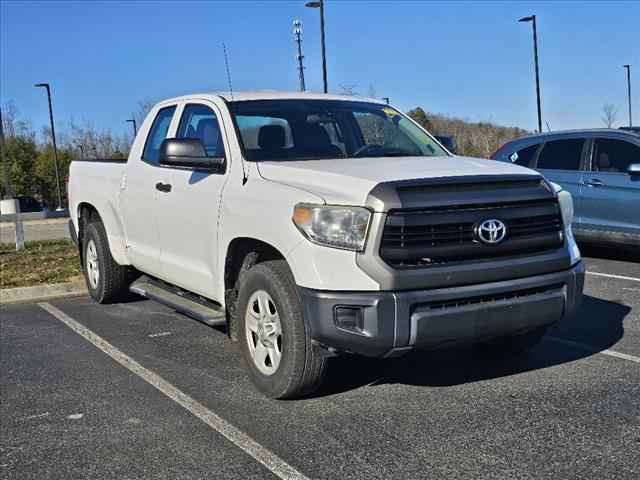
(394, 322)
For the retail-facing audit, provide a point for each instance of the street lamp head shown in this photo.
(626, 66)
(527, 19)
(45, 85)
(314, 4)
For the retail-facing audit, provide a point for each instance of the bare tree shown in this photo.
(609, 114)
(12, 124)
(348, 89)
(144, 107)
(89, 142)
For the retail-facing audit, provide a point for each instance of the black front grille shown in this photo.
(445, 234)
(491, 298)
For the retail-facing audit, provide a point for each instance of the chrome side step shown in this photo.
(181, 301)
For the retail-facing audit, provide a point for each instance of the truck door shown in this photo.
(188, 224)
(139, 195)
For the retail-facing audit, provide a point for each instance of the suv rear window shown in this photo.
(561, 154)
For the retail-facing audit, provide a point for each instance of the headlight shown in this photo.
(333, 226)
(566, 207)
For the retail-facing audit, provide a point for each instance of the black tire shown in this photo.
(514, 345)
(113, 279)
(302, 366)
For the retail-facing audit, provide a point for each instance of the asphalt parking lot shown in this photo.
(163, 396)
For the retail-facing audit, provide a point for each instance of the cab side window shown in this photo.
(157, 134)
(561, 154)
(614, 155)
(199, 121)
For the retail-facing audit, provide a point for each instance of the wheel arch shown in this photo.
(242, 253)
(88, 212)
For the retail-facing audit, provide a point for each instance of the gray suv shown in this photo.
(601, 169)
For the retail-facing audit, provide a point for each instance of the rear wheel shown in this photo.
(275, 343)
(514, 345)
(106, 280)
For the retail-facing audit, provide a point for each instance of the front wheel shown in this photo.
(275, 343)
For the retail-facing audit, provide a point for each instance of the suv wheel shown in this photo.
(274, 341)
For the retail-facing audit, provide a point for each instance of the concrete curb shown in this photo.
(42, 292)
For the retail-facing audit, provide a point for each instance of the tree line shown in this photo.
(30, 158)
(473, 139)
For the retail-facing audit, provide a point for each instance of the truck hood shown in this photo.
(348, 181)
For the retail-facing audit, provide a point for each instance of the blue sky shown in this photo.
(467, 59)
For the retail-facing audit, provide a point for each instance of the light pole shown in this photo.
(532, 19)
(297, 32)
(135, 127)
(320, 4)
(53, 137)
(628, 67)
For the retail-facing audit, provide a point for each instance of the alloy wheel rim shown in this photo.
(263, 331)
(93, 269)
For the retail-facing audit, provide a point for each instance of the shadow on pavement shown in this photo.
(597, 323)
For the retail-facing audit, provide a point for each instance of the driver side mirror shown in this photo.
(634, 169)
(187, 152)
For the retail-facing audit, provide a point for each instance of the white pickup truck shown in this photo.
(311, 225)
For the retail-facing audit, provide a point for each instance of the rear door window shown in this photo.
(525, 156)
(561, 154)
(614, 155)
(157, 134)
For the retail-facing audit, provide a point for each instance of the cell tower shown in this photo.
(297, 32)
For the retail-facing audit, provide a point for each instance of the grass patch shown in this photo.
(52, 261)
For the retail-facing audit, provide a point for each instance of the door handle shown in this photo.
(163, 187)
(594, 182)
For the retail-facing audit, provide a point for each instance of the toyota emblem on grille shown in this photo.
(491, 232)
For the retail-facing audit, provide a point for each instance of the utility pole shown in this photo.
(9, 204)
(532, 19)
(297, 32)
(628, 67)
(53, 138)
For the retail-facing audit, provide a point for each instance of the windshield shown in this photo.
(315, 129)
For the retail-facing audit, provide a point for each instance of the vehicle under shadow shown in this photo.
(610, 252)
(597, 323)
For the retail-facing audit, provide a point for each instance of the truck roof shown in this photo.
(277, 95)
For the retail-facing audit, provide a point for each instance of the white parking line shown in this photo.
(619, 277)
(589, 348)
(267, 458)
